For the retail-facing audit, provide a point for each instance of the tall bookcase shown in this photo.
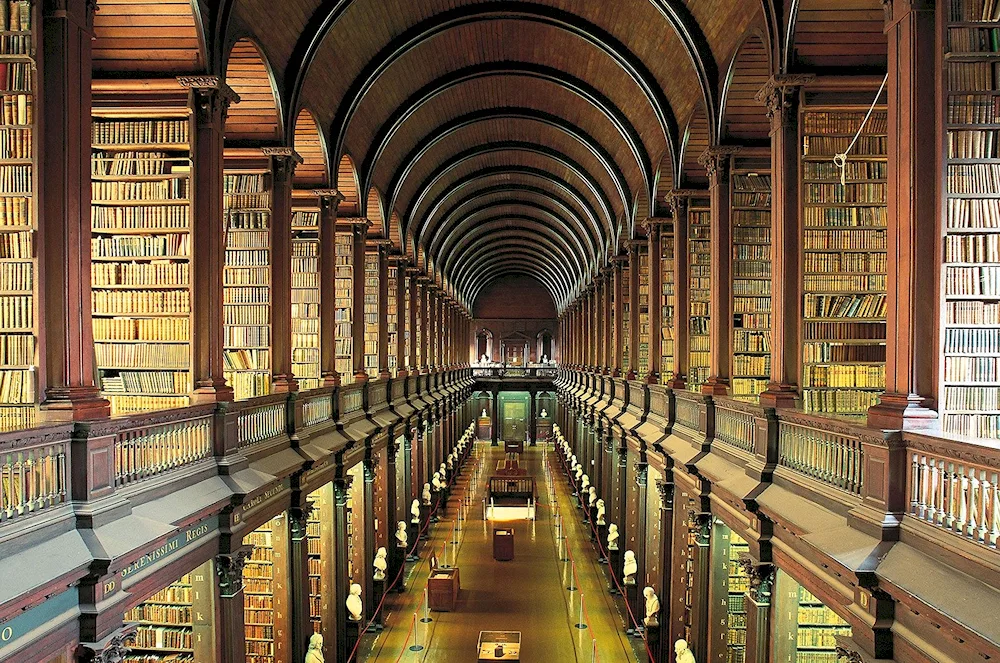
(809, 626)
(371, 314)
(305, 297)
(265, 592)
(392, 321)
(642, 359)
(844, 260)
(667, 303)
(18, 217)
(700, 266)
(314, 541)
(247, 281)
(141, 254)
(737, 585)
(751, 219)
(970, 403)
(626, 325)
(344, 301)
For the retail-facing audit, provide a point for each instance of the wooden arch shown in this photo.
(314, 171)
(664, 185)
(257, 118)
(693, 145)
(375, 214)
(744, 119)
(347, 185)
(137, 37)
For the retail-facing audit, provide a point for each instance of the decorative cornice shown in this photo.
(282, 152)
(778, 95)
(716, 160)
(849, 655)
(329, 193)
(229, 569)
(761, 578)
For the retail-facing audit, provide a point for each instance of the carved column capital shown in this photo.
(778, 96)
(717, 161)
(283, 162)
(761, 578)
(298, 520)
(848, 655)
(112, 649)
(229, 569)
(212, 98)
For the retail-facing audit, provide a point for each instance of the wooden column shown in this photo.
(619, 276)
(757, 602)
(413, 296)
(912, 209)
(781, 98)
(210, 99)
(341, 487)
(283, 160)
(232, 646)
(298, 570)
(368, 587)
(718, 163)
(66, 345)
(383, 309)
(424, 325)
(359, 236)
(328, 200)
(495, 417)
(607, 338)
(653, 234)
(402, 324)
(678, 201)
(633, 309)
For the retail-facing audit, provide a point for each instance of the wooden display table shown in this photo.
(514, 447)
(503, 544)
(510, 641)
(543, 429)
(442, 589)
(484, 428)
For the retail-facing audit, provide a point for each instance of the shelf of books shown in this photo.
(174, 624)
(700, 283)
(392, 321)
(811, 626)
(371, 313)
(344, 304)
(844, 261)
(18, 219)
(738, 583)
(626, 339)
(314, 543)
(247, 282)
(265, 592)
(667, 303)
(355, 524)
(418, 330)
(970, 401)
(141, 257)
(642, 359)
(751, 219)
(305, 297)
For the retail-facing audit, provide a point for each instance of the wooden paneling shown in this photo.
(347, 184)
(255, 118)
(394, 230)
(150, 36)
(664, 185)
(314, 169)
(840, 34)
(694, 143)
(744, 118)
(374, 213)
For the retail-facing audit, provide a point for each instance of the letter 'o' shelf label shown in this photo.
(49, 614)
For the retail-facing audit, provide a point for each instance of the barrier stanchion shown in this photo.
(581, 624)
(416, 646)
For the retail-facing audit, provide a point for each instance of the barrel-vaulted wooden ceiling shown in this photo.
(495, 137)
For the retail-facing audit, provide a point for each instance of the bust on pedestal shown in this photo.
(355, 608)
(682, 654)
(380, 564)
(614, 558)
(629, 569)
(399, 554)
(315, 652)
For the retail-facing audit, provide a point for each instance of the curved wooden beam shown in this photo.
(518, 247)
(518, 234)
(542, 269)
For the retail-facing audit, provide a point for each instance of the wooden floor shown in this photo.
(528, 594)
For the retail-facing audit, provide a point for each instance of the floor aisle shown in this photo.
(528, 594)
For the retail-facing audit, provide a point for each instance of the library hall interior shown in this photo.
(538, 331)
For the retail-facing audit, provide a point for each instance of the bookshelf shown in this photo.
(700, 266)
(667, 304)
(810, 626)
(406, 326)
(344, 304)
(305, 297)
(737, 585)
(247, 282)
(626, 339)
(392, 321)
(18, 219)
(642, 359)
(371, 313)
(314, 543)
(168, 626)
(844, 261)
(264, 589)
(141, 257)
(751, 219)
(970, 403)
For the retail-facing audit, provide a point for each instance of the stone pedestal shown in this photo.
(632, 598)
(602, 537)
(378, 591)
(653, 642)
(352, 630)
(615, 563)
(397, 568)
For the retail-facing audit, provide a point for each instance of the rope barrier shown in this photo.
(840, 160)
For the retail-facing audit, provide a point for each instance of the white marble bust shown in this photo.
(544, 414)
(630, 568)
(585, 483)
(426, 494)
(355, 607)
(613, 537)
(601, 510)
(414, 511)
(437, 482)
(380, 564)
(592, 497)
(484, 415)
(682, 654)
(402, 538)
(315, 652)
(652, 607)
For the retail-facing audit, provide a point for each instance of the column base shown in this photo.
(901, 412)
(402, 373)
(715, 386)
(360, 377)
(630, 375)
(779, 395)
(74, 404)
(653, 378)
(677, 383)
(212, 391)
(384, 374)
(331, 379)
(283, 384)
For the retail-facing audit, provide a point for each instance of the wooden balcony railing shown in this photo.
(688, 414)
(259, 421)
(834, 458)
(317, 407)
(956, 495)
(734, 427)
(152, 448)
(33, 472)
